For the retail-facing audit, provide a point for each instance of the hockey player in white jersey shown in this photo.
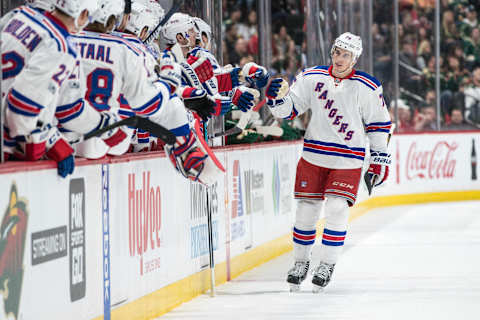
(348, 109)
(38, 58)
(115, 67)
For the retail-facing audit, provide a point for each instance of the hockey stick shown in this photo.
(206, 148)
(170, 13)
(136, 122)
(210, 241)
(268, 130)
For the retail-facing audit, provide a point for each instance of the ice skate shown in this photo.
(321, 276)
(297, 274)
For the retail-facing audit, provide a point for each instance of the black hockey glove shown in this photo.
(197, 100)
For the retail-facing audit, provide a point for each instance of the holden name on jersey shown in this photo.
(27, 36)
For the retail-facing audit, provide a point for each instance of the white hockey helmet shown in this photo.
(349, 42)
(108, 8)
(203, 27)
(178, 23)
(46, 5)
(74, 8)
(140, 17)
(156, 13)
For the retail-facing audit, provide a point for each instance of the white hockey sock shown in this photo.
(304, 231)
(335, 230)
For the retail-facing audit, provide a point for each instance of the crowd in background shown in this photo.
(459, 63)
(288, 41)
(288, 47)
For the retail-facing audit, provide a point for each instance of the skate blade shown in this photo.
(317, 289)
(294, 287)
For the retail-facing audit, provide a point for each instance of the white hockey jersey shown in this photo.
(114, 69)
(345, 113)
(37, 57)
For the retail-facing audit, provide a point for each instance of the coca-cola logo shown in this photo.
(144, 220)
(435, 163)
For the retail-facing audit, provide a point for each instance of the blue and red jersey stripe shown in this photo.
(68, 112)
(20, 104)
(378, 127)
(333, 149)
(150, 107)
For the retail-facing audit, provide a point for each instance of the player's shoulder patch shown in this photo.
(366, 79)
(318, 70)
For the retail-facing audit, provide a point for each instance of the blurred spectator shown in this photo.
(239, 51)
(449, 28)
(405, 123)
(234, 17)
(472, 99)
(246, 30)
(423, 54)
(471, 18)
(430, 97)
(426, 119)
(471, 46)
(457, 122)
(230, 40)
(283, 43)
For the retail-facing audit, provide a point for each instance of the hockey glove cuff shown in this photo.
(222, 105)
(379, 167)
(229, 80)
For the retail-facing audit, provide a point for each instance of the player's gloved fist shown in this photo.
(35, 145)
(197, 100)
(274, 88)
(222, 105)
(186, 157)
(378, 169)
(115, 136)
(243, 98)
(49, 141)
(255, 75)
(202, 66)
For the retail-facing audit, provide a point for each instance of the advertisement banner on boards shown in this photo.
(432, 163)
(49, 245)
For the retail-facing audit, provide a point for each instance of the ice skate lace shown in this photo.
(299, 269)
(323, 271)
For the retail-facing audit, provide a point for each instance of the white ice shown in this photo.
(407, 262)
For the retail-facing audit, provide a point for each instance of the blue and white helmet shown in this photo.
(203, 27)
(46, 5)
(140, 17)
(108, 8)
(350, 42)
(74, 8)
(178, 23)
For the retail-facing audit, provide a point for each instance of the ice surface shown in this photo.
(407, 262)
